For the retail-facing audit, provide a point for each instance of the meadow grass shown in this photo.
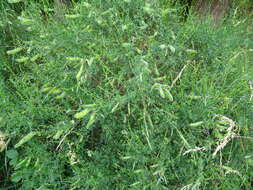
(125, 95)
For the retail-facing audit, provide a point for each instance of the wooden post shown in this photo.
(216, 8)
(60, 7)
(219, 9)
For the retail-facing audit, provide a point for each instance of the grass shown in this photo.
(124, 95)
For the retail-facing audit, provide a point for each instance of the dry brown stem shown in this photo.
(230, 134)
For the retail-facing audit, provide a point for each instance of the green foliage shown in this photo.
(123, 95)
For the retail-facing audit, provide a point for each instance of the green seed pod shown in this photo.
(14, 51)
(22, 59)
(196, 124)
(91, 120)
(25, 139)
(82, 114)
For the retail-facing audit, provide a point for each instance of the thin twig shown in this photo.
(251, 88)
(231, 170)
(178, 77)
(243, 137)
(57, 148)
(194, 150)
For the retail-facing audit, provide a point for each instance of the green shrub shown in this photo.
(122, 95)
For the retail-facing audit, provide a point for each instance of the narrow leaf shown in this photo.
(168, 95)
(161, 92)
(115, 107)
(78, 76)
(16, 177)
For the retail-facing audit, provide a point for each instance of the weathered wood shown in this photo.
(60, 7)
(216, 8)
(219, 9)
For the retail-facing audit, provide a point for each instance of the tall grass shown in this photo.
(123, 95)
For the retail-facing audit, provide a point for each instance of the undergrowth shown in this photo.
(124, 95)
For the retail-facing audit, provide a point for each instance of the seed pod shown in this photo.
(22, 59)
(25, 21)
(196, 124)
(14, 51)
(91, 120)
(46, 89)
(14, 1)
(191, 51)
(72, 16)
(88, 106)
(55, 91)
(25, 139)
(34, 58)
(73, 58)
(62, 95)
(82, 114)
